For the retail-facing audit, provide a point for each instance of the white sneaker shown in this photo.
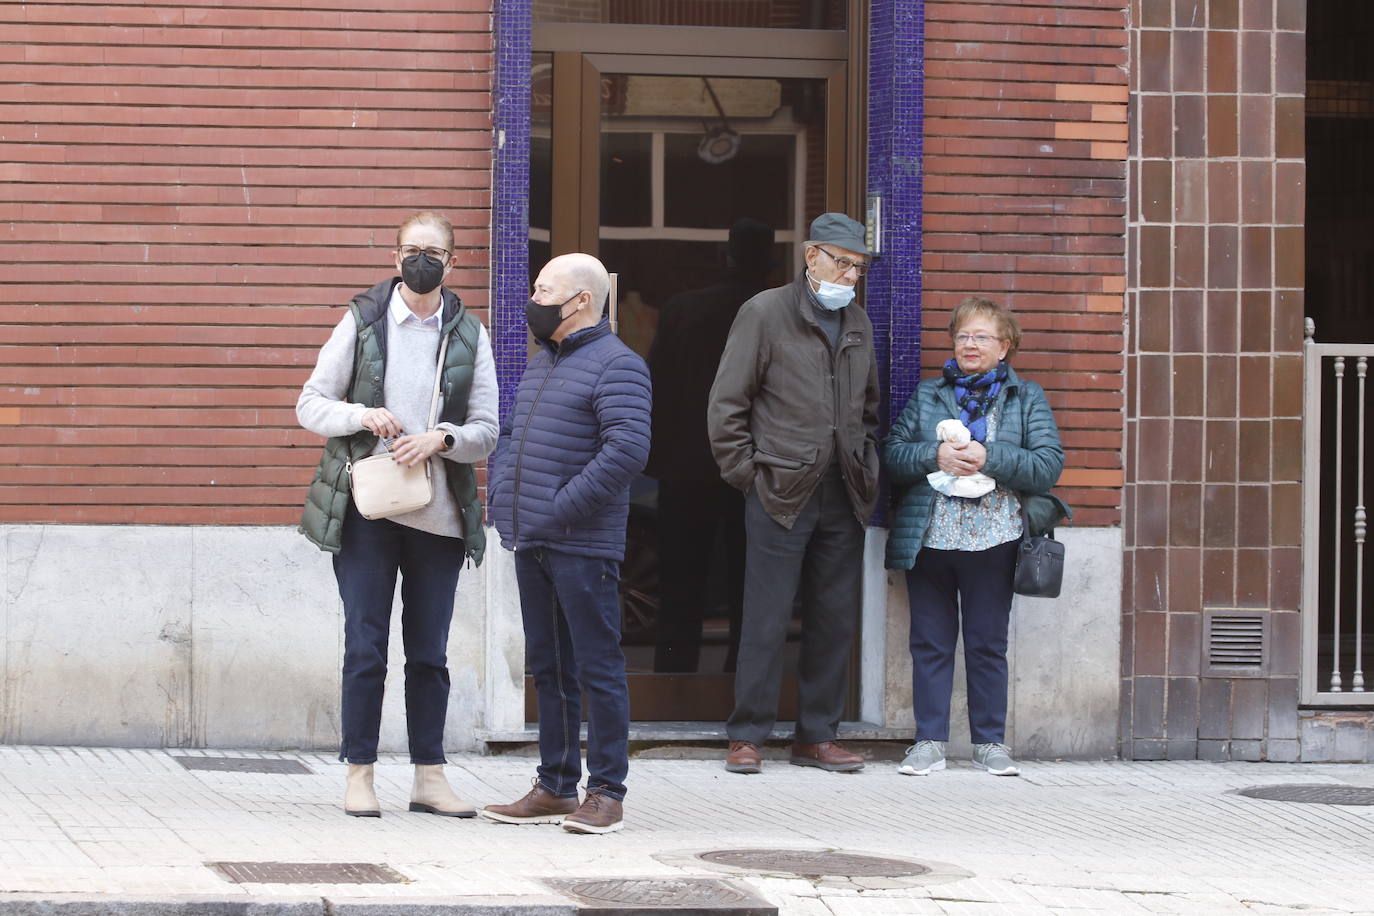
(996, 759)
(923, 758)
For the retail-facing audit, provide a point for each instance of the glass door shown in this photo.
(693, 179)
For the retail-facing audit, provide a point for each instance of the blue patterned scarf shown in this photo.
(975, 394)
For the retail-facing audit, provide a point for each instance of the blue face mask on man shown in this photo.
(832, 296)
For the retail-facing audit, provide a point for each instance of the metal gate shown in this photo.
(1337, 621)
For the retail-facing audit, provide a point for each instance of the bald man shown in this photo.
(576, 436)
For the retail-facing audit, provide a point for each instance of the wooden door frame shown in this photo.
(582, 52)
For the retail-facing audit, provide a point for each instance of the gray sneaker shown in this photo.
(996, 759)
(923, 758)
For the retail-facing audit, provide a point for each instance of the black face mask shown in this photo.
(544, 320)
(422, 273)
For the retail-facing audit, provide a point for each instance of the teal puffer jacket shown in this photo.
(1026, 456)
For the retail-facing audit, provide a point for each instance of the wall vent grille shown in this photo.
(1235, 643)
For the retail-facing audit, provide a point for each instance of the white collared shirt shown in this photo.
(401, 313)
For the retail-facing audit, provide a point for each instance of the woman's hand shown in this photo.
(382, 422)
(417, 449)
(961, 460)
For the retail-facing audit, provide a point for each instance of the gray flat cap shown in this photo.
(838, 229)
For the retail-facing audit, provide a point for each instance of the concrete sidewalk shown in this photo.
(86, 830)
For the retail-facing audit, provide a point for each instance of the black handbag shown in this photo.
(1040, 558)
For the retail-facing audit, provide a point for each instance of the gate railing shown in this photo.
(1333, 560)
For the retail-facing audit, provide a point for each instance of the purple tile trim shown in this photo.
(510, 195)
(896, 123)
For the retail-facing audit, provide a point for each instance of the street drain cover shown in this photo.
(274, 765)
(1312, 794)
(814, 863)
(680, 895)
(307, 873)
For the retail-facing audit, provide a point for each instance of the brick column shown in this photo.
(1212, 511)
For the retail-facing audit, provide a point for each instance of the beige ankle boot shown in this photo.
(359, 799)
(432, 794)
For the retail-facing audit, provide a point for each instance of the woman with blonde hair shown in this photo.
(372, 393)
(959, 551)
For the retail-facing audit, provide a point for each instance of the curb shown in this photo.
(94, 905)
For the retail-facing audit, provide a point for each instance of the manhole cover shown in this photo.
(1312, 794)
(814, 863)
(307, 873)
(276, 766)
(699, 894)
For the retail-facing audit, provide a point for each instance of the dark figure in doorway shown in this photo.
(696, 507)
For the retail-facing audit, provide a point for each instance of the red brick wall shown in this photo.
(190, 191)
(1025, 167)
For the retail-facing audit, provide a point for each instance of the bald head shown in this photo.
(570, 273)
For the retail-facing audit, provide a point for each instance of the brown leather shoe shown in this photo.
(537, 807)
(743, 758)
(598, 813)
(827, 756)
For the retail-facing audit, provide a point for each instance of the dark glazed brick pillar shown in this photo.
(1213, 411)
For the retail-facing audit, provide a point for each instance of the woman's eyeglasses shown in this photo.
(410, 251)
(981, 341)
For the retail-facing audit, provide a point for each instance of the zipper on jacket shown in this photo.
(520, 458)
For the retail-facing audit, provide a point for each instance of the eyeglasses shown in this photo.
(981, 341)
(845, 263)
(410, 251)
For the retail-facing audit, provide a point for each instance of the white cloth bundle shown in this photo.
(971, 486)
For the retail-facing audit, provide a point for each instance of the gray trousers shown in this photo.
(820, 558)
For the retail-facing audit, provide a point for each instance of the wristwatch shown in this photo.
(448, 441)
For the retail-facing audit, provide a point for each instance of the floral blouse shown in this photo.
(957, 523)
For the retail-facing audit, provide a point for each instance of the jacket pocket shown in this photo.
(782, 461)
(782, 475)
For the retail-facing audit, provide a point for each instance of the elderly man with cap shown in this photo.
(793, 422)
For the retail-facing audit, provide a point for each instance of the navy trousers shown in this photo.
(949, 590)
(373, 552)
(571, 610)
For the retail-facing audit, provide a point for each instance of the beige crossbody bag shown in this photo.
(381, 487)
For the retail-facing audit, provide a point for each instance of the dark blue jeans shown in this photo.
(373, 552)
(947, 590)
(571, 608)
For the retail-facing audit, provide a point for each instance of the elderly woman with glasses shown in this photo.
(373, 392)
(969, 447)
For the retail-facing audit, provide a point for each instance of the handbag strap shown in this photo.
(1025, 527)
(438, 381)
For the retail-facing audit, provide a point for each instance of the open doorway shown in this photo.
(691, 166)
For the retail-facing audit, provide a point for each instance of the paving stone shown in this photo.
(1067, 837)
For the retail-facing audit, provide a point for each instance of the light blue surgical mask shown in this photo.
(832, 296)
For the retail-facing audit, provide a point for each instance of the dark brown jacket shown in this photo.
(784, 404)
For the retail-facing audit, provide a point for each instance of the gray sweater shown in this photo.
(412, 354)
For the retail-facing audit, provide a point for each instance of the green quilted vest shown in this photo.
(326, 501)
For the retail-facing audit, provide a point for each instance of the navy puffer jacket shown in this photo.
(1026, 455)
(576, 437)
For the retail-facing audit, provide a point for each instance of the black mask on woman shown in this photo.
(422, 273)
(544, 320)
